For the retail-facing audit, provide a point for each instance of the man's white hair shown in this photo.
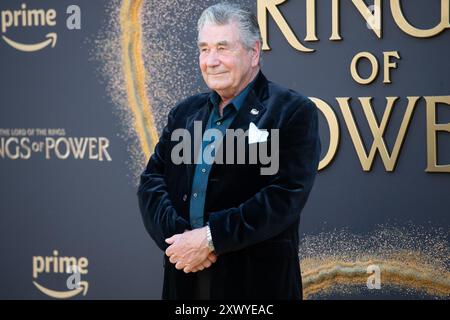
(225, 13)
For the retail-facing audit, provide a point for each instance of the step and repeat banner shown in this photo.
(86, 86)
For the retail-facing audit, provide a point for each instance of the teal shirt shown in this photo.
(203, 168)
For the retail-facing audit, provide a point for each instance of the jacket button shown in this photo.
(184, 197)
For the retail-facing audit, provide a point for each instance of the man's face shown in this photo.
(226, 65)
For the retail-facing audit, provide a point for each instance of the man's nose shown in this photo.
(212, 60)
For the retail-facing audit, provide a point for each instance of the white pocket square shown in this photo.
(256, 135)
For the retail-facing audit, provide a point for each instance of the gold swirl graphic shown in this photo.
(322, 276)
(134, 73)
(409, 258)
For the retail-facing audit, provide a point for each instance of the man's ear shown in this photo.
(256, 51)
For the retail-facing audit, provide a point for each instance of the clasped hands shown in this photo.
(189, 251)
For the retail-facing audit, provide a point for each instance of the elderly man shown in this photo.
(229, 231)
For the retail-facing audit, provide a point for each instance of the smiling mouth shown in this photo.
(216, 74)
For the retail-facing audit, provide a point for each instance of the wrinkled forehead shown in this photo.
(213, 34)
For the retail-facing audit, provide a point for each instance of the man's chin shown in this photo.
(217, 86)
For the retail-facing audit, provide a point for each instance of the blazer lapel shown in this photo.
(252, 109)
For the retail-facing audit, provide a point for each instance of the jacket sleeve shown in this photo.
(158, 213)
(278, 205)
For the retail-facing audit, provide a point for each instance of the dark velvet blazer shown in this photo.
(254, 218)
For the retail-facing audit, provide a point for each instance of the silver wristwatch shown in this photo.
(209, 238)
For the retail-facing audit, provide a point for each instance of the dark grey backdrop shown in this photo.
(89, 208)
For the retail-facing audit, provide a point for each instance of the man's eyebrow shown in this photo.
(220, 43)
(223, 43)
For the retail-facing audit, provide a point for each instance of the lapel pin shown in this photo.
(254, 111)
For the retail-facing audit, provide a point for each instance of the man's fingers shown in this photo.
(203, 265)
(169, 251)
(171, 241)
(179, 265)
(206, 263)
(173, 259)
(212, 257)
(187, 269)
